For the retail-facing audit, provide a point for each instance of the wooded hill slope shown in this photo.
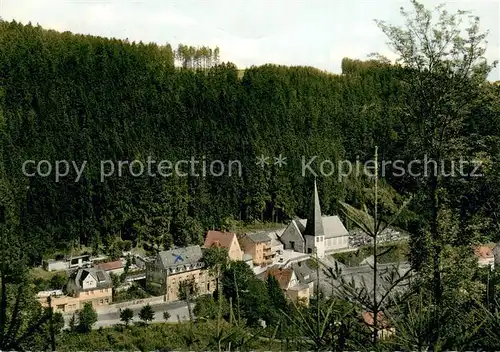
(85, 98)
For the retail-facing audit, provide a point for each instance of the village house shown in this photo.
(226, 240)
(91, 285)
(316, 234)
(115, 267)
(170, 268)
(485, 256)
(258, 246)
(289, 283)
(383, 326)
(85, 285)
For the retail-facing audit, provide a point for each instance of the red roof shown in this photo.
(220, 239)
(484, 252)
(111, 265)
(381, 319)
(282, 275)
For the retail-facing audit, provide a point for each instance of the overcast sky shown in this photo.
(315, 33)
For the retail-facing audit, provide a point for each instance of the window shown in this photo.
(106, 300)
(101, 301)
(309, 251)
(292, 245)
(208, 286)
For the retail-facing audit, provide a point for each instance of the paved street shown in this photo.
(177, 310)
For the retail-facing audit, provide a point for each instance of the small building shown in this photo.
(79, 261)
(383, 326)
(485, 256)
(56, 265)
(258, 245)
(58, 300)
(90, 285)
(290, 285)
(141, 261)
(115, 267)
(226, 240)
(170, 268)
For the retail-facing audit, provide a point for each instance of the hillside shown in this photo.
(79, 98)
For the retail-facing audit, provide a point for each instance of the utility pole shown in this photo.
(52, 334)
(3, 308)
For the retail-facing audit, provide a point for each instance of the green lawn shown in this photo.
(40, 273)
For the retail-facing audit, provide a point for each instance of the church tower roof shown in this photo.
(314, 225)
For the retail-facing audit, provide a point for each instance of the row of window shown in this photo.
(185, 267)
(172, 288)
(87, 293)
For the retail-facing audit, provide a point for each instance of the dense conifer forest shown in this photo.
(94, 102)
(84, 98)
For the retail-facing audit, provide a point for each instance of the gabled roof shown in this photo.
(314, 225)
(180, 256)
(258, 237)
(300, 223)
(218, 238)
(111, 265)
(102, 277)
(334, 227)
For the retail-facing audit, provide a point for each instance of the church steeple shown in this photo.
(314, 225)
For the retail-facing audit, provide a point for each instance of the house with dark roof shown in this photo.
(226, 240)
(165, 274)
(258, 246)
(89, 285)
(316, 234)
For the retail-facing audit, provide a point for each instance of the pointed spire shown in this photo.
(314, 225)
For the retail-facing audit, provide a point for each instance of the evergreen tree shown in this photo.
(126, 315)
(146, 314)
(87, 317)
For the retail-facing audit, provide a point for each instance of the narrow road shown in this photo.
(177, 310)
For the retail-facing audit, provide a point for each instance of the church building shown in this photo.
(316, 234)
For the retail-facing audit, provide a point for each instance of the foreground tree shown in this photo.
(372, 224)
(87, 317)
(443, 68)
